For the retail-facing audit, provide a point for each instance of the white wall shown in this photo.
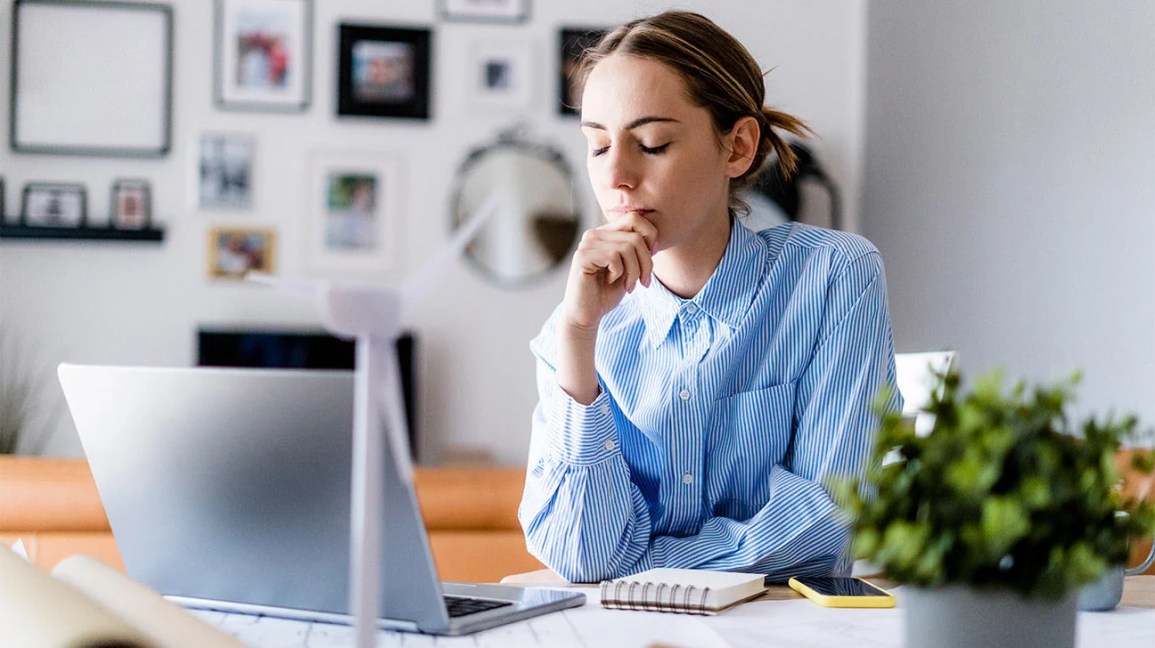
(120, 303)
(1010, 184)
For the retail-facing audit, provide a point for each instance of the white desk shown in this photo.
(780, 619)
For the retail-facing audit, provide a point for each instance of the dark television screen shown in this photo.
(277, 349)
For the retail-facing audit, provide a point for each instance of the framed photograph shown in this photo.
(500, 11)
(47, 204)
(574, 41)
(383, 72)
(234, 251)
(225, 171)
(263, 54)
(353, 213)
(91, 78)
(131, 205)
(502, 74)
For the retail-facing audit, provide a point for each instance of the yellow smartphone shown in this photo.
(842, 592)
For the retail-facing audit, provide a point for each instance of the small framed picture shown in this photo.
(263, 54)
(574, 41)
(225, 171)
(384, 71)
(234, 251)
(131, 205)
(502, 74)
(500, 11)
(48, 204)
(353, 211)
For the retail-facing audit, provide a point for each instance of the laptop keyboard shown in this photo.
(460, 606)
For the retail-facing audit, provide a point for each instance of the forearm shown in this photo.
(587, 523)
(799, 526)
(576, 372)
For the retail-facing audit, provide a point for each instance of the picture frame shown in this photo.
(491, 11)
(235, 251)
(54, 204)
(131, 204)
(263, 55)
(224, 171)
(354, 211)
(573, 41)
(503, 74)
(3, 202)
(111, 95)
(383, 71)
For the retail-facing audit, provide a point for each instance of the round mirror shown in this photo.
(536, 222)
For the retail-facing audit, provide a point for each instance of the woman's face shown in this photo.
(652, 151)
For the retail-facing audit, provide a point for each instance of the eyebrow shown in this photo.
(640, 121)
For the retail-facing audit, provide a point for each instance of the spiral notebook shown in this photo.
(686, 591)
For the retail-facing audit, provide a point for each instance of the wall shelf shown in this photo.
(150, 235)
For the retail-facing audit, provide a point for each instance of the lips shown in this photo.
(641, 211)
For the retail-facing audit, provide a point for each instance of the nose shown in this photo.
(620, 170)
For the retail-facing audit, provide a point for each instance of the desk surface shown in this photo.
(780, 618)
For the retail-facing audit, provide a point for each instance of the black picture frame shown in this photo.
(398, 59)
(489, 11)
(572, 42)
(279, 91)
(130, 204)
(48, 196)
(61, 105)
(3, 202)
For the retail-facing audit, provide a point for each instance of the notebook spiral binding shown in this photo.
(666, 598)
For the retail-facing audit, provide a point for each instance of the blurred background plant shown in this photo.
(18, 385)
(1004, 492)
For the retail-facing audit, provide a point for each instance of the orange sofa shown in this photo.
(470, 515)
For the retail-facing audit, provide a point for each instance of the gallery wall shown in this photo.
(1010, 184)
(131, 303)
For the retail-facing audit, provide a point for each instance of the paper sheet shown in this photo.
(164, 623)
(38, 611)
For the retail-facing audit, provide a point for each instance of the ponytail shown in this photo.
(773, 123)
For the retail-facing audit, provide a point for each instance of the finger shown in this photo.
(612, 265)
(631, 265)
(644, 227)
(645, 262)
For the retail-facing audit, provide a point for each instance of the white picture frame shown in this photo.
(223, 171)
(498, 11)
(263, 55)
(91, 78)
(354, 212)
(502, 74)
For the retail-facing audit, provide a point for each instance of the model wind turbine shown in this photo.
(372, 316)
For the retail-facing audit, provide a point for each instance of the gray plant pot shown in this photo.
(946, 617)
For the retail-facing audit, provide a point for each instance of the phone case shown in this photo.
(886, 600)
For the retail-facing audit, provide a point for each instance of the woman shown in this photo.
(699, 383)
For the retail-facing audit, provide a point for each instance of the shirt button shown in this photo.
(691, 309)
(684, 394)
(687, 479)
(605, 408)
(610, 445)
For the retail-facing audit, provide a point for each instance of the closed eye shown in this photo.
(598, 151)
(655, 150)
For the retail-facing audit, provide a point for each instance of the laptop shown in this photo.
(229, 489)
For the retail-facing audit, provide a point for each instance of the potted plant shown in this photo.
(996, 517)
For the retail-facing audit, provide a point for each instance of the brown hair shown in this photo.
(720, 75)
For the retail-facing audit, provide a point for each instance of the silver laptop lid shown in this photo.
(233, 485)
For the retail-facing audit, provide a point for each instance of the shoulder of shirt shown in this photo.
(794, 238)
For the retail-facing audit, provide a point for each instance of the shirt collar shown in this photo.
(726, 295)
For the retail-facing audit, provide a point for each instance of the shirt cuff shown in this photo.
(583, 434)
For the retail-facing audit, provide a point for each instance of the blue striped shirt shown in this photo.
(720, 417)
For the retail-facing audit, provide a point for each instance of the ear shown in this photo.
(742, 143)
